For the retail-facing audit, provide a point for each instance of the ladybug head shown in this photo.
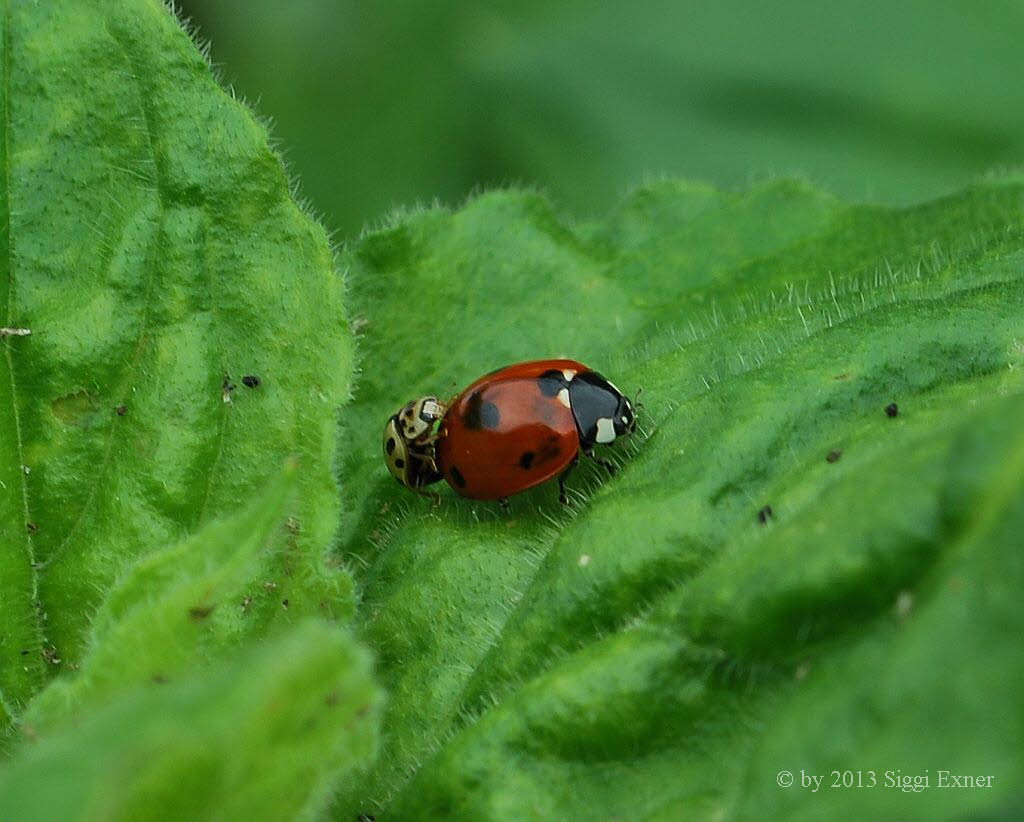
(415, 420)
(624, 420)
(409, 442)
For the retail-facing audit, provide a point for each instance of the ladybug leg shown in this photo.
(610, 466)
(433, 496)
(429, 440)
(563, 497)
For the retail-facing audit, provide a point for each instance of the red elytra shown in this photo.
(504, 434)
(524, 424)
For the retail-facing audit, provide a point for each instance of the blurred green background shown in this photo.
(378, 105)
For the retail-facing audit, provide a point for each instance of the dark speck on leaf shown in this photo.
(764, 515)
(198, 612)
(892, 409)
(284, 603)
(833, 456)
(32, 527)
(251, 381)
(121, 410)
(366, 817)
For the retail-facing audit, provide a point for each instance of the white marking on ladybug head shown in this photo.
(568, 373)
(417, 418)
(626, 421)
(605, 430)
(563, 397)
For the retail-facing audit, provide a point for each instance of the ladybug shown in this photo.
(510, 430)
(408, 442)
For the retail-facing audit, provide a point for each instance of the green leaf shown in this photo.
(260, 737)
(183, 606)
(657, 650)
(150, 243)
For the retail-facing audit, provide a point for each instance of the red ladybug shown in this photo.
(510, 430)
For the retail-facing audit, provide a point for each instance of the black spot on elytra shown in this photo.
(457, 476)
(399, 463)
(480, 413)
(391, 444)
(526, 460)
(490, 415)
(551, 382)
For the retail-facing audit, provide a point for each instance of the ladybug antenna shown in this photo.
(637, 405)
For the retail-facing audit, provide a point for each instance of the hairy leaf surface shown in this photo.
(180, 607)
(150, 243)
(260, 737)
(774, 578)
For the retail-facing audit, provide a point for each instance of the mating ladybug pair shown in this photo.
(510, 430)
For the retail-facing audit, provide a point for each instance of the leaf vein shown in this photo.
(133, 364)
(37, 670)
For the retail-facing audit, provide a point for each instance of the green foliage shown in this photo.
(659, 651)
(260, 737)
(888, 102)
(783, 575)
(185, 604)
(151, 245)
(169, 644)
